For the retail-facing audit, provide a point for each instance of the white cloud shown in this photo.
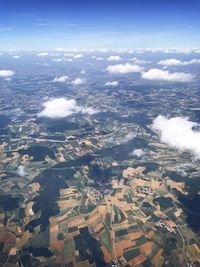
(177, 62)
(68, 59)
(61, 108)
(6, 73)
(42, 54)
(114, 58)
(124, 68)
(78, 81)
(178, 132)
(16, 56)
(56, 59)
(120, 139)
(99, 58)
(139, 61)
(61, 79)
(69, 54)
(21, 171)
(78, 56)
(138, 153)
(112, 83)
(157, 74)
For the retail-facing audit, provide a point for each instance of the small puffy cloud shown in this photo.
(61, 79)
(112, 83)
(114, 58)
(138, 153)
(177, 62)
(178, 132)
(194, 61)
(43, 54)
(88, 110)
(69, 54)
(128, 137)
(99, 58)
(68, 59)
(78, 56)
(121, 139)
(56, 59)
(78, 81)
(6, 73)
(16, 56)
(139, 61)
(21, 171)
(62, 107)
(164, 75)
(83, 72)
(124, 68)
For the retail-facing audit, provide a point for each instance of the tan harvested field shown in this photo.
(98, 227)
(138, 182)
(137, 260)
(177, 185)
(76, 221)
(135, 235)
(63, 204)
(155, 184)
(35, 186)
(130, 172)
(158, 259)
(94, 218)
(53, 233)
(106, 254)
(147, 248)
(67, 191)
(102, 209)
(13, 251)
(150, 234)
(23, 240)
(122, 245)
(56, 220)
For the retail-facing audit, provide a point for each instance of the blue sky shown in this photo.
(49, 24)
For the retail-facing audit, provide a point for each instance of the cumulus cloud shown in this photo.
(128, 137)
(62, 107)
(120, 139)
(57, 60)
(99, 58)
(78, 81)
(138, 153)
(139, 61)
(16, 56)
(179, 133)
(177, 62)
(82, 72)
(78, 56)
(6, 73)
(124, 68)
(112, 83)
(69, 54)
(157, 74)
(114, 58)
(61, 79)
(21, 171)
(43, 54)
